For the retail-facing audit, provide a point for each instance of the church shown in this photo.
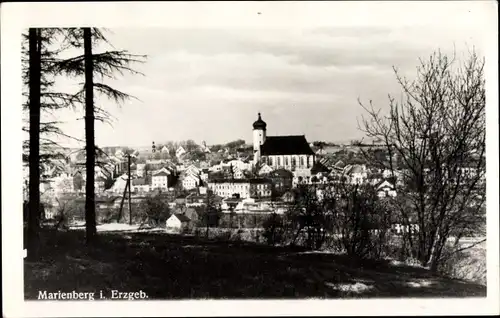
(287, 152)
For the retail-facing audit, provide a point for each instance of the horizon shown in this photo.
(208, 84)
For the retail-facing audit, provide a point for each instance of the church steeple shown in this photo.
(259, 137)
(259, 124)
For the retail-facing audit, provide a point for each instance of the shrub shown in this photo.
(273, 230)
(468, 265)
(153, 211)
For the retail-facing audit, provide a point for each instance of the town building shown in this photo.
(141, 170)
(140, 185)
(177, 223)
(190, 181)
(119, 184)
(161, 179)
(386, 189)
(180, 151)
(242, 188)
(281, 179)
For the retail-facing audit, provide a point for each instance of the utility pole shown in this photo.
(129, 193)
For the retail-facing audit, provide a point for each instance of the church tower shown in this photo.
(259, 137)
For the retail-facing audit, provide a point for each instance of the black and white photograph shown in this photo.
(289, 156)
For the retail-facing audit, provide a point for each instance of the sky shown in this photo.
(208, 84)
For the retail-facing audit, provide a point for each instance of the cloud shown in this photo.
(209, 83)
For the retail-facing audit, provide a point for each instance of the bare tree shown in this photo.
(437, 132)
(308, 216)
(360, 220)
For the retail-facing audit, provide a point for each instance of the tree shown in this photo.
(91, 65)
(437, 129)
(38, 72)
(308, 215)
(360, 221)
(273, 229)
(90, 221)
(48, 48)
(235, 144)
(34, 131)
(212, 213)
(190, 145)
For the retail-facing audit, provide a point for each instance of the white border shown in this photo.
(16, 16)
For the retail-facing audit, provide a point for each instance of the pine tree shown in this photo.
(34, 131)
(95, 65)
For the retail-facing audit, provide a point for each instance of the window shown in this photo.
(279, 161)
(301, 161)
(286, 161)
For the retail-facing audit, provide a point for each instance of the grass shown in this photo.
(168, 266)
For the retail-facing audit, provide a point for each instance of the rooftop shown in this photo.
(252, 181)
(286, 145)
(182, 217)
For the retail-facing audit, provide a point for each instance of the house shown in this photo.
(386, 189)
(204, 175)
(192, 169)
(289, 152)
(321, 151)
(237, 173)
(119, 184)
(177, 223)
(216, 168)
(204, 147)
(192, 214)
(265, 169)
(240, 164)
(140, 185)
(141, 169)
(202, 190)
(164, 150)
(194, 199)
(161, 179)
(119, 153)
(357, 173)
(180, 151)
(339, 165)
(190, 181)
(282, 179)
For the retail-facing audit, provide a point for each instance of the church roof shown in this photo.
(286, 145)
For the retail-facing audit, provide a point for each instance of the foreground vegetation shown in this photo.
(168, 266)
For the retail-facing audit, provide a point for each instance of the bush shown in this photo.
(468, 265)
(153, 211)
(273, 230)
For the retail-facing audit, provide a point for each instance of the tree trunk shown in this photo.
(433, 258)
(90, 222)
(34, 151)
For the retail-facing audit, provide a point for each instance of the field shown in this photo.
(168, 266)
